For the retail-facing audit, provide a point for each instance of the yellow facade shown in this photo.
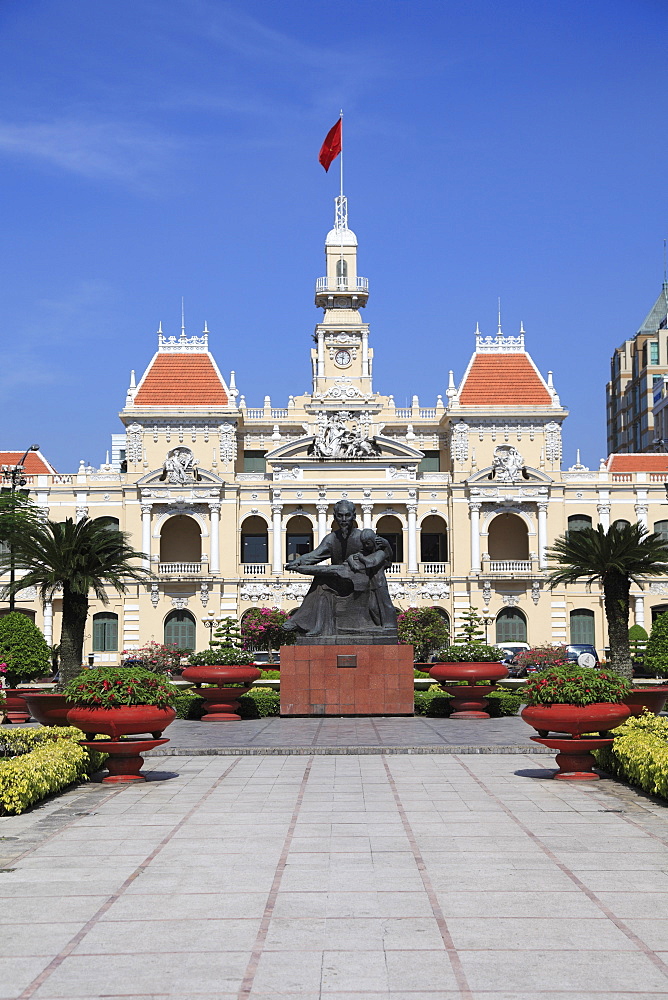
(470, 490)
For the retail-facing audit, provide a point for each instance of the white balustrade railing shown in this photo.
(403, 413)
(278, 414)
(396, 569)
(433, 568)
(428, 413)
(333, 284)
(510, 566)
(180, 567)
(255, 569)
(254, 414)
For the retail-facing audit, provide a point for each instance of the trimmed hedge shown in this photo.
(259, 703)
(49, 760)
(640, 753)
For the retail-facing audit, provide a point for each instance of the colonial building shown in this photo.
(469, 490)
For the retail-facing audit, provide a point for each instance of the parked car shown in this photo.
(264, 660)
(584, 654)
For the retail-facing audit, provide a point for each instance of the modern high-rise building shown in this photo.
(636, 369)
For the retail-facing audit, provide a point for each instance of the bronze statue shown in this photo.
(348, 602)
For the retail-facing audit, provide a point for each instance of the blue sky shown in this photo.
(153, 149)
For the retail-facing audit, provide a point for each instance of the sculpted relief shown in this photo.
(336, 440)
(180, 466)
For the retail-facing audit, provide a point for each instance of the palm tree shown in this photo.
(76, 558)
(613, 558)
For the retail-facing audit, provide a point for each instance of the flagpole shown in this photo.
(342, 277)
(341, 164)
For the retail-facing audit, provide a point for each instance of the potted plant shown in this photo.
(227, 668)
(575, 700)
(120, 701)
(26, 656)
(468, 672)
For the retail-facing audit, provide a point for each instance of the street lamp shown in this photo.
(14, 475)
(211, 621)
(487, 620)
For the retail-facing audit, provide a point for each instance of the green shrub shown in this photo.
(424, 629)
(221, 656)
(434, 703)
(656, 650)
(188, 706)
(573, 685)
(111, 687)
(637, 643)
(640, 753)
(259, 703)
(46, 761)
(270, 675)
(23, 649)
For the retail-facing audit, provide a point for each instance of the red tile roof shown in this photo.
(181, 380)
(34, 464)
(638, 463)
(504, 380)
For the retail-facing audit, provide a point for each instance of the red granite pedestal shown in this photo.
(347, 680)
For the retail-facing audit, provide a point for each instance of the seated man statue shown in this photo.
(348, 601)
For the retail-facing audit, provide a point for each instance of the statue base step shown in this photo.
(328, 679)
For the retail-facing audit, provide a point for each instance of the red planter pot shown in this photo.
(48, 708)
(469, 700)
(652, 698)
(600, 717)
(126, 720)
(574, 757)
(16, 708)
(124, 761)
(221, 701)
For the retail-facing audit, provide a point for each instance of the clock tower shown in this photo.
(342, 359)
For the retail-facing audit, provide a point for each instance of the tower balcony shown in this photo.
(331, 285)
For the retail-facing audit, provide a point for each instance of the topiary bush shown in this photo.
(40, 762)
(656, 650)
(438, 704)
(23, 649)
(257, 704)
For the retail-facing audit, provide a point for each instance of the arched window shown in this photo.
(661, 528)
(298, 537)
(658, 609)
(511, 626)
(254, 541)
(508, 538)
(433, 539)
(108, 522)
(105, 632)
(582, 626)
(390, 528)
(341, 268)
(180, 540)
(443, 613)
(576, 522)
(621, 523)
(180, 630)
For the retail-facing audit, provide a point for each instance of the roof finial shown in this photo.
(499, 330)
(665, 278)
(160, 327)
(206, 328)
(183, 319)
(522, 330)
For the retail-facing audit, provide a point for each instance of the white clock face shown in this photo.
(342, 358)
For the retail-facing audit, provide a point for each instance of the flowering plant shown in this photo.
(542, 657)
(221, 656)
(155, 656)
(573, 685)
(111, 687)
(422, 628)
(469, 652)
(262, 628)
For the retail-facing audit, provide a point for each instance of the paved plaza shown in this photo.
(406, 876)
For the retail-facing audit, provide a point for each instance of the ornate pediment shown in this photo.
(156, 478)
(384, 449)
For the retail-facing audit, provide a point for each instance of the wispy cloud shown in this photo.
(94, 149)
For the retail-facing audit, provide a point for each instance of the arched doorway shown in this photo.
(391, 528)
(511, 626)
(180, 540)
(180, 629)
(433, 540)
(254, 541)
(108, 522)
(508, 539)
(582, 626)
(298, 537)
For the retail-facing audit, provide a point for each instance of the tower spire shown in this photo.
(183, 319)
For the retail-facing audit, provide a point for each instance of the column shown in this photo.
(365, 353)
(321, 354)
(367, 510)
(542, 535)
(48, 623)
(412, 537)
(639, 609)
(214, 516)
(474, 514)
(604, 515)
(146, 535)
(322, 520)
(277, 546)
(641, 510)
